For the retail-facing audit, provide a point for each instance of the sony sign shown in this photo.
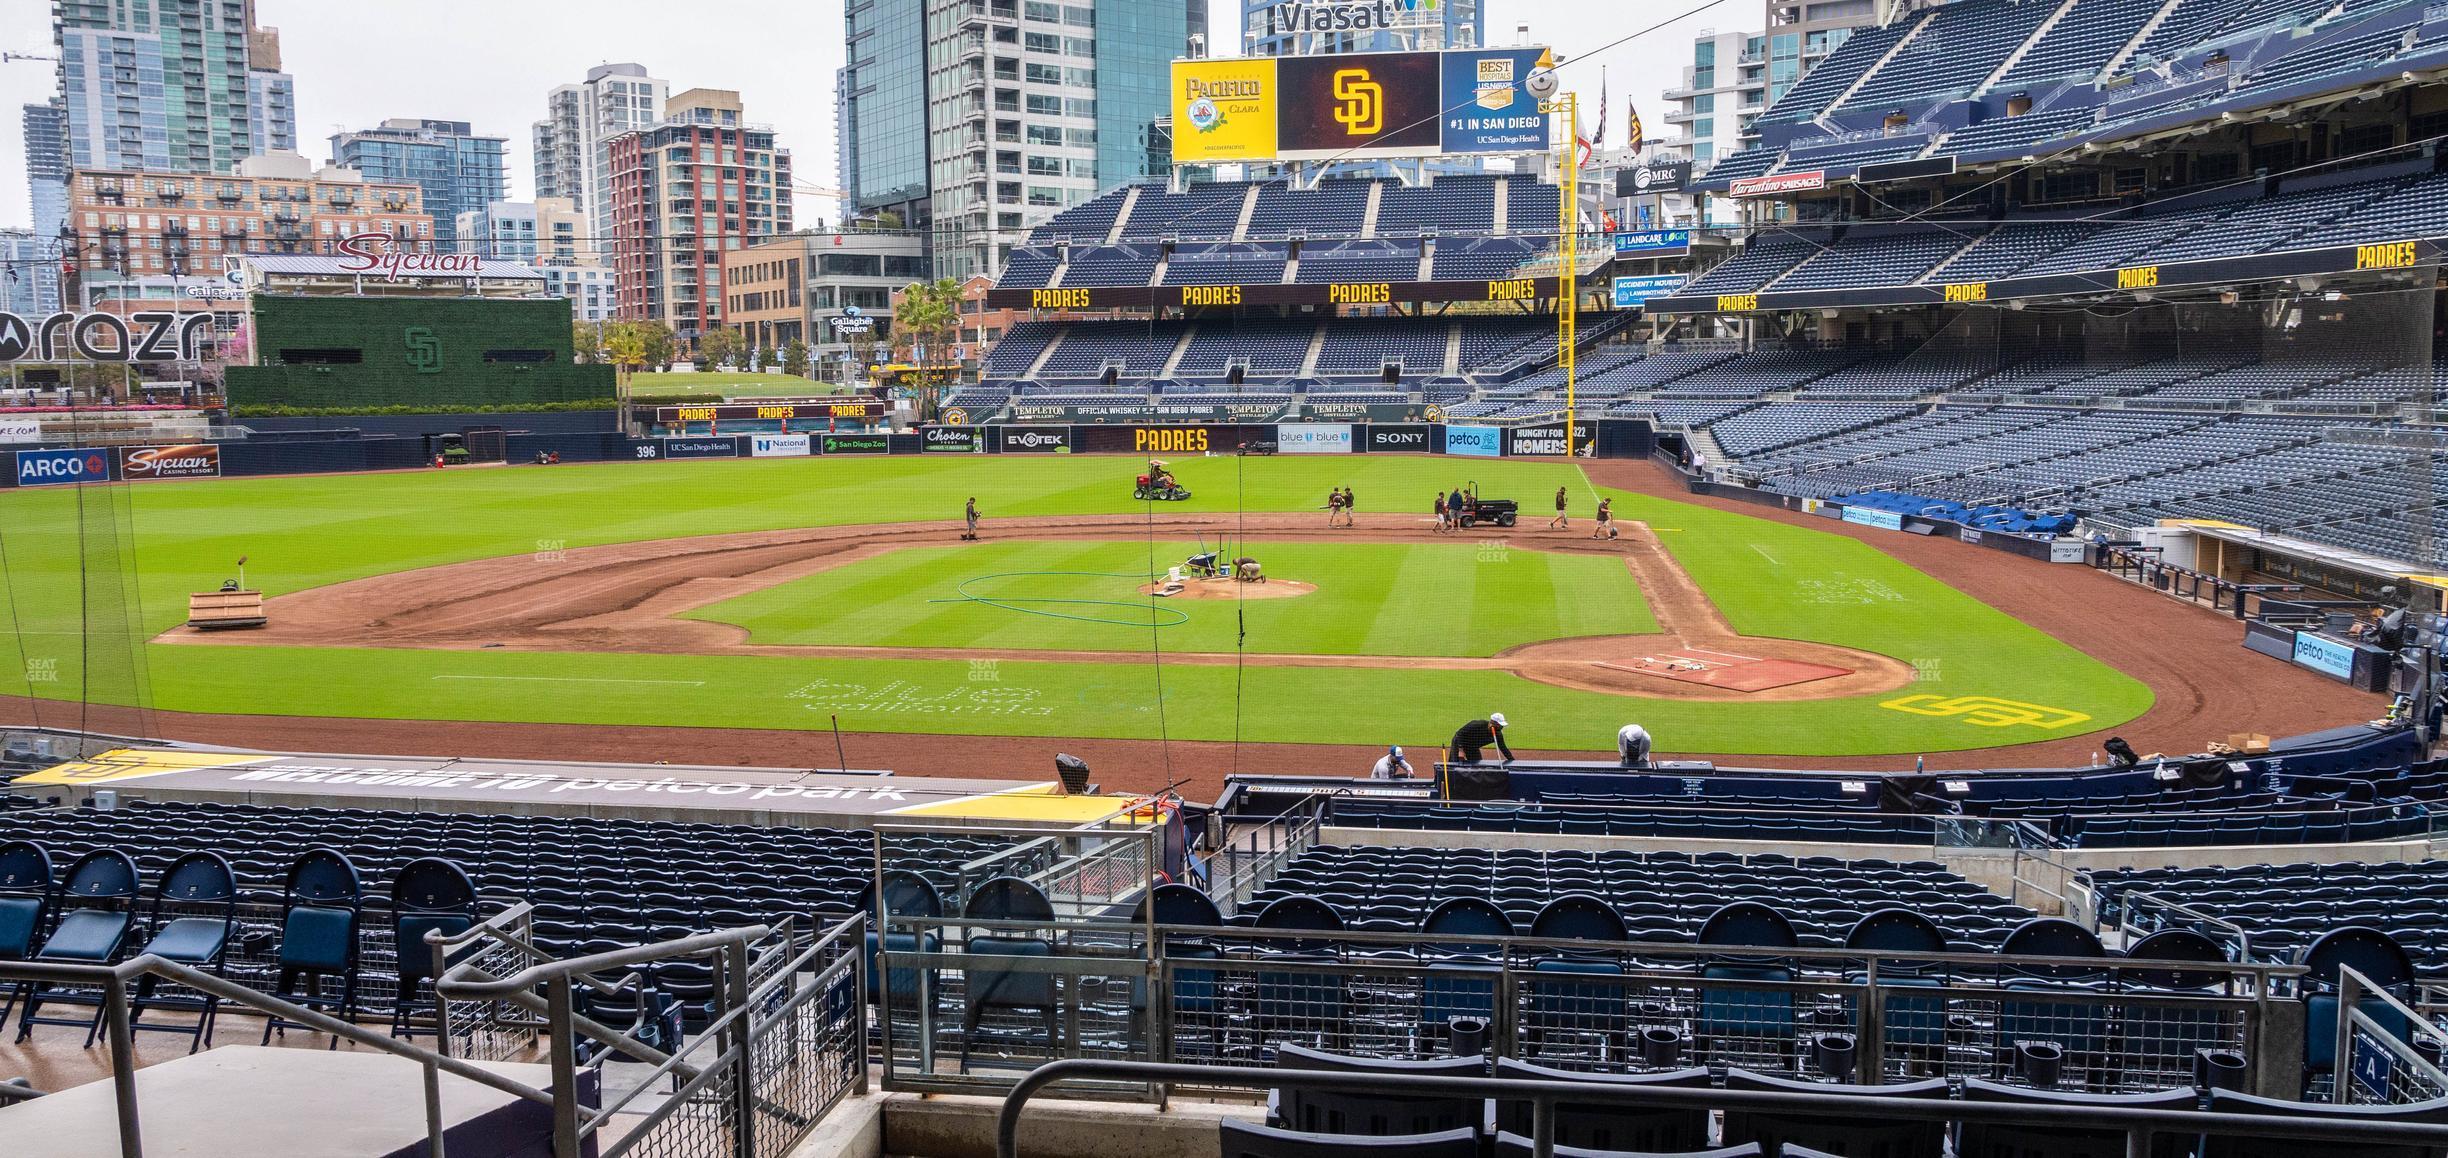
(378, 253)
(142, 336)
(1297, 16)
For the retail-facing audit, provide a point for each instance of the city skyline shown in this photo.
(418, 66)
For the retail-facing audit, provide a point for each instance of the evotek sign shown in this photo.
(193, 460)
(142, 336)
(1027, 440)
(50, 468)
(380, 254)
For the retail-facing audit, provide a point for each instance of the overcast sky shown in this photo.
(489, 62)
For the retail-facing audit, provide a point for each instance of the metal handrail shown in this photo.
(2353, 990)
(113, 981)
(2139, 1124)
(534, 975)
(2261, 974)
(2242, 935)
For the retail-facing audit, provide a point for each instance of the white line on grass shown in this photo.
(1763, 553)
(572, 680)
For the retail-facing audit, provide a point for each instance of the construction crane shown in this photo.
(6, 57)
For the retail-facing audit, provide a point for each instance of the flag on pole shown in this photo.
(1596, 139)
(1636, 142)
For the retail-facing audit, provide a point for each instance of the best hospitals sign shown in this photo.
(379, 254)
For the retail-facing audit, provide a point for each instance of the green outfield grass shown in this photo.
(1371, 599)
(300, 532)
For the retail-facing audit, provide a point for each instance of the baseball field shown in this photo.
(796, 594)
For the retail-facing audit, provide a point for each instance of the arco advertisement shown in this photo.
(51, 468)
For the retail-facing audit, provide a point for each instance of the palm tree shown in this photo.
(927, 319)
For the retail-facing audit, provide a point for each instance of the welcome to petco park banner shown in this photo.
(1355, 105)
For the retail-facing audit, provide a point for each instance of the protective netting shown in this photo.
(73, 620)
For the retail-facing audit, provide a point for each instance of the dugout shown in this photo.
(359, 353)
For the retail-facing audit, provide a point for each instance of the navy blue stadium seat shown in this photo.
(1246, 1140)
(97, 910)
(1853, 1137)
(1595, 1126)
(430, 895)
(1978, 1139)
(1323, 1111)
(196, 934)
(322, 913)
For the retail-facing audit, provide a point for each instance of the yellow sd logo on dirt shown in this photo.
(1987, 711)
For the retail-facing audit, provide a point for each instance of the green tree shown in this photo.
(587, 338)
(926, 321)
(764, 359)
(719, 348)
(661, 344)
(795, 359)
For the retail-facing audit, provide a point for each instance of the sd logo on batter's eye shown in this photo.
(1362, 111)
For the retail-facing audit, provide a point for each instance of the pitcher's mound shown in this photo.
(1228, 589)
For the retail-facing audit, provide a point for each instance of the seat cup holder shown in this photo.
(1835, 1055)
(1660, 1045)
(2218, 1069)
(1466, 1036)
(2039, 1063)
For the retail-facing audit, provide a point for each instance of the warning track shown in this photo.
(628, 597)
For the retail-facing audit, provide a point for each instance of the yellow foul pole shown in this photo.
(1568, 251)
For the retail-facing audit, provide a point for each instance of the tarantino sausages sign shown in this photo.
(1354, 293)
(193, 460)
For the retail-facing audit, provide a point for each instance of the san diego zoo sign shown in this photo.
(142, 336)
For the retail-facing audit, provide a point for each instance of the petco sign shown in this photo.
(50, 468)
(1476, 441)
(1313, 438)
(378, 253)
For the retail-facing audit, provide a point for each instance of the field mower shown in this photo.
(1158, 484)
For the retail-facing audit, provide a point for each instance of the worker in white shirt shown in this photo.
(1391, 766)
(1632, 743)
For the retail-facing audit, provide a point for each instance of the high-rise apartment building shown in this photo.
(458, 169)
(131, 231)
(1274, 28)
(1801, 33)
(545, 231)
(46, 146)
(703, 182)
(271, 95)
(980, 120)
(573, 143)
(1723, 91)
(21, 252)
(157, 85)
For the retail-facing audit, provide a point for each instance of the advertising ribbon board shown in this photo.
(191, 460)
(1036, 439)
(2324, 655)
(1475, 441)
(950, 440)
(1313, 438)
(1883, 520)
(780, 445)
(857, 444)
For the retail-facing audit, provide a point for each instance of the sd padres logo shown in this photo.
(1988, 711)
(1362, 108)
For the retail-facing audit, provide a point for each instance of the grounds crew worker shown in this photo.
(1391, 766)
(1470, 738)
(972, 515)
(1632, 743)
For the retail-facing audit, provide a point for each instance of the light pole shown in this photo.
(1544, 85)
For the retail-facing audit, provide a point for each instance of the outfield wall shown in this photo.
(406, 442)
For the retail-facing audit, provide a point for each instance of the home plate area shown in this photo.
(1728, 670)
